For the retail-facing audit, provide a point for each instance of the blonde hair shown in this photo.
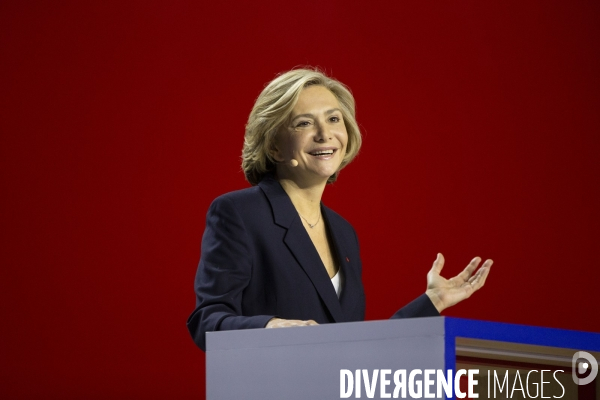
(273, 108)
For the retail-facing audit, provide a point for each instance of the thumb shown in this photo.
(438, 264)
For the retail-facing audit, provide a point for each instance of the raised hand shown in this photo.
(445, 293)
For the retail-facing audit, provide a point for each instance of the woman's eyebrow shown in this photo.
(312, 116)
(302, 115)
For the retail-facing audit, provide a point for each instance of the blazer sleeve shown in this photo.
(223, 273)
(419, 307)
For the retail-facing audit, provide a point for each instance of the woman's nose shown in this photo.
(322, 132)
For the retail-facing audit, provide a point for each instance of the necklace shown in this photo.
(309, 224)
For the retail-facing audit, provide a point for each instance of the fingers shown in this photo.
(288, 323)
(478, 280)
(438, 264)
(469, 269)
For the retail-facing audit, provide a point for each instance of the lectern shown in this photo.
(359, 360)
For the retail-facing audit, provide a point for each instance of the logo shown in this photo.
(582, 363)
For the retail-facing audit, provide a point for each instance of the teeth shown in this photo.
(321, 153)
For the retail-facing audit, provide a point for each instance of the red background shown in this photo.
(121, 121)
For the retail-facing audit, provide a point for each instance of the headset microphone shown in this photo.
(293, 162)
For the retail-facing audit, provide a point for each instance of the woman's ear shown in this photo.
(274, 150)
(275, 154)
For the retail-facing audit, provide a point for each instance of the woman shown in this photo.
(273, 255)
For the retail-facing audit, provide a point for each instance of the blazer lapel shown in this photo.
(351, 279)
(299, 243)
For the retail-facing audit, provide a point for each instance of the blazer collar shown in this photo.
(299, 243)
(284, 212)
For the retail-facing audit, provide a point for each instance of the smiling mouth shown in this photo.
(322, 153)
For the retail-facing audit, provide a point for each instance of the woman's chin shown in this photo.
(324, 173)
(316, 173)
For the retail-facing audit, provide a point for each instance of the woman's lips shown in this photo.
(324, 153)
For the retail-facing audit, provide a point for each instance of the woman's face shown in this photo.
(315, 137)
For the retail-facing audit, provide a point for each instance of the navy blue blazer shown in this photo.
(258, 262)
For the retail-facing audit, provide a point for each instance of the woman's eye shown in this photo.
(302, 124)
(334, 119)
